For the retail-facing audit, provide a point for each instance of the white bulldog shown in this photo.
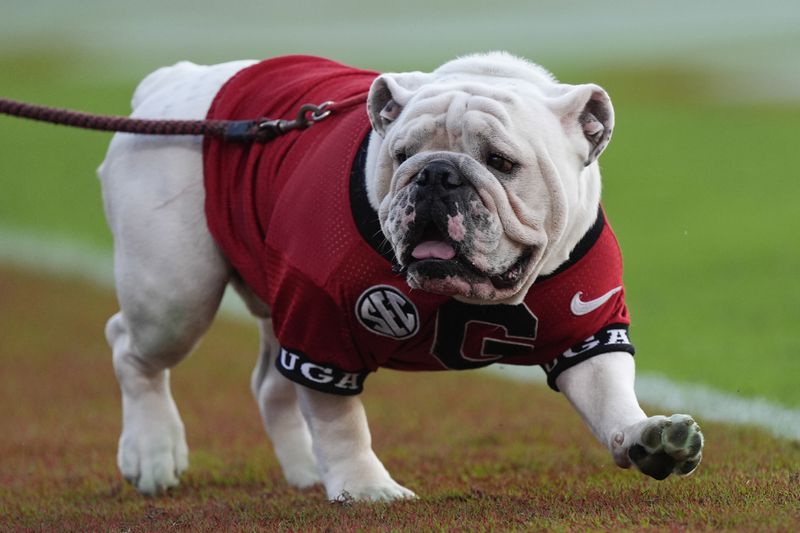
(483, 178)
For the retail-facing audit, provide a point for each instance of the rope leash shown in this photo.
(259, 130)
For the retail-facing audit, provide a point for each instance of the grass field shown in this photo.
(504, 456)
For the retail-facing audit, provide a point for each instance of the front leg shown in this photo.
(343, 447)
(601, 390)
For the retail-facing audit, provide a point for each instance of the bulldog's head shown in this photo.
(483, 172)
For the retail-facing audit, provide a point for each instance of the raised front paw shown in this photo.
(667, 445)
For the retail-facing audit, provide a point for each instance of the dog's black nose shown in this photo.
(439, 172)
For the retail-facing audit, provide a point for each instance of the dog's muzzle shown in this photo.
(439, 246)
(440, 189)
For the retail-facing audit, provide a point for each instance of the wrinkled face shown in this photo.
(452, 181)
(465, 185)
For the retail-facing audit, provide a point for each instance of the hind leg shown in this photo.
(152, 450)
(170, 278)
(170, 275)
(280, 412)
(148, 336)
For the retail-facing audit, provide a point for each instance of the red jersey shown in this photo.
(292, 217)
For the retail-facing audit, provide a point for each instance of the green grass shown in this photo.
(47, 173)
(704, 203)
(483, 454)
(702, 196)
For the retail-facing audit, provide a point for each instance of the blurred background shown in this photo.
(700, 181)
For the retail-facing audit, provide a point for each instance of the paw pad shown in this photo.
(667, 446)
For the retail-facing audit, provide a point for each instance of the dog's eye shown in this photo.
(400, 156)
(500, 163)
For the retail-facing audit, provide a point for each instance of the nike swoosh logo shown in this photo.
(580, 308)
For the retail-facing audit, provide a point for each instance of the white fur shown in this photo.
(170, 277)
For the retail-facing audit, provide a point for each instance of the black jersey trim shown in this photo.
(582, 248)
(612, 338)
(364, 216)
(297, 367)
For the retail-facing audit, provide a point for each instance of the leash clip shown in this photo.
(308, 115)
(311, 114)
(265, 130)
(321, 111)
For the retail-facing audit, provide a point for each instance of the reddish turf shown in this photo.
(482, 453)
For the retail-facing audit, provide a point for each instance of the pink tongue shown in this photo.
(433, 249)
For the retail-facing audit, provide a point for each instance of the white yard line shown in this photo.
(76, 260)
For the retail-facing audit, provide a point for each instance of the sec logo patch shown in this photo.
(384, 310)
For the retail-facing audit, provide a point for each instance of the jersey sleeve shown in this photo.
(611, 338)
(297, 366)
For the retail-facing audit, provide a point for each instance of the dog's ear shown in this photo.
(586, 112)
(388, 96)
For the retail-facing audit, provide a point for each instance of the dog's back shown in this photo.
(182, 90)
